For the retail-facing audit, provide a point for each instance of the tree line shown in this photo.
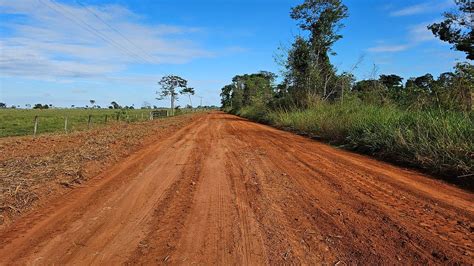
(309, 76)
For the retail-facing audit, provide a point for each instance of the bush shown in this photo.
(257, 113)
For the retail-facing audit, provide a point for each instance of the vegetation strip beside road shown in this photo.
(36, 168)
(439, 143)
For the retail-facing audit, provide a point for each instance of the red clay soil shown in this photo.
(224, 190)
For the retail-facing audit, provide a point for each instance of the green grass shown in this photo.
(439, 142)
(20, 122)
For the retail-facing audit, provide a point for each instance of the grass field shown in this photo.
(20, 122)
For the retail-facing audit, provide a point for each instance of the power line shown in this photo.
(104, 37)
(93, 30)
(114, 29)
(97, 33)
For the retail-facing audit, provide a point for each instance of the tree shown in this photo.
(424, 82)
(169, 84)
(236, 96)
(322, 19)
(42, 106)
(299, 68)
(226, 96)
(464, 85)
(115, 105)
(254, 88)
(457, 28)
(419, 92)
(443, 91)
(371, 91)
(392, 82)
(92, 103)
(309, 68)
(3, 105)
(188, 91)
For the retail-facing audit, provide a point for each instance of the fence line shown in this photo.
(34, 123)
(41, 122)
(89, 124)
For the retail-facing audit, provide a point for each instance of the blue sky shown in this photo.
(68, 52)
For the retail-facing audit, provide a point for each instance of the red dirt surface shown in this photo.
(223, 190)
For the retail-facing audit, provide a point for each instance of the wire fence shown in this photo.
(37, 122)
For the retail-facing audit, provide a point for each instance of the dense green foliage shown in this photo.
(450, 91)
(457, 28)
(425, 121)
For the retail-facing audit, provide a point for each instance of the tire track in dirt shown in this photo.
(381, 199)
(90, 228)
(436, 218)
(213, 227)
(224, 190)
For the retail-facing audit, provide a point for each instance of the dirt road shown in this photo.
(223, 190)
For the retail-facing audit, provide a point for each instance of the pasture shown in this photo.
(20, 122)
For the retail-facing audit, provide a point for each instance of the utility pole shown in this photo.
(201, 101)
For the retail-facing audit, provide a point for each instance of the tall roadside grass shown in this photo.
(439, 142)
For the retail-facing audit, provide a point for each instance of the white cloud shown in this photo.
(420, 33)
(411, 10)
(388, 48)
(416, 34)
(49, 40)
(421, 8)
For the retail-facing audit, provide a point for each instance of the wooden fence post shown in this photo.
(65, 124)
(106, 117)
(89, 121)
(36, 126)
(118, 116)
(151, 115)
